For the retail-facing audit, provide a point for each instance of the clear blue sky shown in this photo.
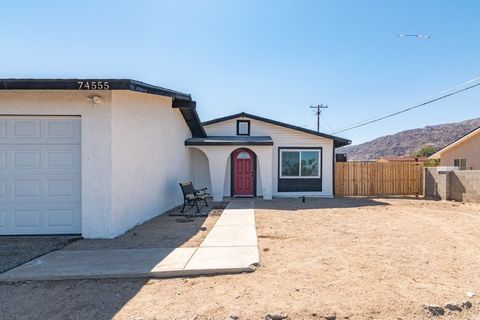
(270, 58)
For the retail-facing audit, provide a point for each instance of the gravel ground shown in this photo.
(15, 251)
(357, 258)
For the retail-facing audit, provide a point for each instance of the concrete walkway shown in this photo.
(230, 247)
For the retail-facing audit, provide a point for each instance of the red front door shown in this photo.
(243, 172)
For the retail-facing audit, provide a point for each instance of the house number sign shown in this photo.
(93, 85)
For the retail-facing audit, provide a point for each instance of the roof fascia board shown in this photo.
(86, 85)
(180, 100)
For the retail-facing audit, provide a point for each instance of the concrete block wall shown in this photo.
(458, 185)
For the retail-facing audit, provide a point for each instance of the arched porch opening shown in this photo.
(200, 169)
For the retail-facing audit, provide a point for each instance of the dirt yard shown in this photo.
(164, 231)
(357, 258)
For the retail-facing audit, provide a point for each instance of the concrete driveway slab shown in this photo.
(230, 247)
(231, 236)
(65, 264)
(221, 259)
(236, 220)
(241, 204)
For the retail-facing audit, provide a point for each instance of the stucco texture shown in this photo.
(133, 152)
(149, 157)
(468, 149)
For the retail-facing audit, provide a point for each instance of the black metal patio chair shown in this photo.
(191, 196)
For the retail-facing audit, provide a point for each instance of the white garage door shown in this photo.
(40, 175)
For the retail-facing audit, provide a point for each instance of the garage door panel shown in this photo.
(3, 189)
(63, 217)
(26, 218)
(63, 189)
(26, 189)
(27, 159)
(62, 159)
(40, 175)
(40, 188)
(49, 131)
(64, 129)
(3, 219)
(3, 159)
(50, 220)
(3, 129)
(22, 129)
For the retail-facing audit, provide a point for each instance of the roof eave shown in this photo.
(180, 100)
(79, 85)
(232, 143)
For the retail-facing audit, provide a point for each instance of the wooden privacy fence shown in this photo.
(378, 179)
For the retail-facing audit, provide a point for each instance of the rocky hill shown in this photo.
(409, 141)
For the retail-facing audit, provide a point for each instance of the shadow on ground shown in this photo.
(17, 250)
(164, 231)
(101, 298)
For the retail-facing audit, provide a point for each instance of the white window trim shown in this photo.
(319, 151)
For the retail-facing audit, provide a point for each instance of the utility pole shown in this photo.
(319, 108)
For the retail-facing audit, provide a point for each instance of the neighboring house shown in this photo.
(463, 153)
(247, 155)
(403, 159)
(97, 157)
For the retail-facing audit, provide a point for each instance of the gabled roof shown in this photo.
(469, 135)
(182, 101)
(339, 142)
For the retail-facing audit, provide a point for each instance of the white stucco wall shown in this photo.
(200, 169)
(149, 157)
(283, 137)
(96, 145)
(218, 162)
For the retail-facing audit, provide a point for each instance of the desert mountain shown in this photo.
(406, 142)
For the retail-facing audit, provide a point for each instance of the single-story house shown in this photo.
(97, 157)
(463, 153)
(247, 155)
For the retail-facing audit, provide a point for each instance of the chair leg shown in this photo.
(183, 207)
(206, 203)
(196, 204)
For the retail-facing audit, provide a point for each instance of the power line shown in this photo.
(413, 102)
(326, 122)
(407, 109)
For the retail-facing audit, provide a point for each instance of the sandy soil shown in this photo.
(359, 258)
(164, 231)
